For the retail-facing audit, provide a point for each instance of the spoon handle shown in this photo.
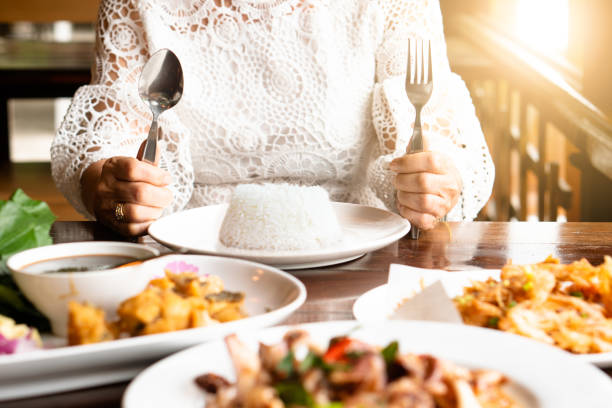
(150, 148)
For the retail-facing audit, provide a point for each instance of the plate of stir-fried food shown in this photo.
(564, 305)
(392, 364)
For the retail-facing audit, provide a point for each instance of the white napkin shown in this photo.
(432, 303)
(425, 294)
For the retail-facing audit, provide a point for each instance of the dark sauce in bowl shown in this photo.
(79, 263)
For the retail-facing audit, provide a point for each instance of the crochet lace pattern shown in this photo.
(300, 91)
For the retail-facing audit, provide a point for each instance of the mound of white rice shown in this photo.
(279, 217)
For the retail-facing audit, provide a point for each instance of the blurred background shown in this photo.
(539, 72)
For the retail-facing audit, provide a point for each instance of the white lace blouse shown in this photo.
(300, 91)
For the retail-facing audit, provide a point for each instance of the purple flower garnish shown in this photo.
(7, 346)
(180, 267)
(19, 345)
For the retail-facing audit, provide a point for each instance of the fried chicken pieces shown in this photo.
(174, 302)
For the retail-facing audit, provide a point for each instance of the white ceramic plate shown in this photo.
(379, 303)
(365, 229)
(270, 296)
(541, 376)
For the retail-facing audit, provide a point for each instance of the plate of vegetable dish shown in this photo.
(568, 306)
(347, 365)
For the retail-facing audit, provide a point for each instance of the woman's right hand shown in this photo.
(140, 188)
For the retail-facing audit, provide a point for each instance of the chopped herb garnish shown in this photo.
(354, 355)
(528, 286)
(293, 393)
(577, 293)
(465, 299)
(511, 304)
(390, 352)
(311, 360)
(493, 322)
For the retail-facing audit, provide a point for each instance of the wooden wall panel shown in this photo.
(45, 11)
(597, 80)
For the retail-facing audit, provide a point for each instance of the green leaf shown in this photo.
(390, 352)
(37, 209)
(25, 240)
(11, 296)
(24, 224)
(294, 393)
(14, 222)
(310, 361)
(17, 307)
(285, 366)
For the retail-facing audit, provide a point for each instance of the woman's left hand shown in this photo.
(428, 186)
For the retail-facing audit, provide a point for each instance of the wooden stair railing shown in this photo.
(508, 93)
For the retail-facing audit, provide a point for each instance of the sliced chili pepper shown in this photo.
(337, 351)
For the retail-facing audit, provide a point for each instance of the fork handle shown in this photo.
(414, 232)
(416, 141)
(416, 145)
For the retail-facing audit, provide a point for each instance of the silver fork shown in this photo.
(419, 85)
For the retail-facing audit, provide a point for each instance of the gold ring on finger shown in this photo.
(119, 212)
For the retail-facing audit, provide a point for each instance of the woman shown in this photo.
(300, 91)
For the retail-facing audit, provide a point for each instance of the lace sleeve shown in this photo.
(107, 117)
(449, 120)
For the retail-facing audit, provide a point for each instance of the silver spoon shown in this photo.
(161, 86)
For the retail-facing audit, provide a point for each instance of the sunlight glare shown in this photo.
(544, 24)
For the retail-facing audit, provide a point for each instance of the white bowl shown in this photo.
(50, 293)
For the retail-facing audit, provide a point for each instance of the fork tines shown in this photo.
(419, 67)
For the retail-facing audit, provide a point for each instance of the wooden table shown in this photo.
(332, 290)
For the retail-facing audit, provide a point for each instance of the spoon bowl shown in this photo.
(161, 87)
